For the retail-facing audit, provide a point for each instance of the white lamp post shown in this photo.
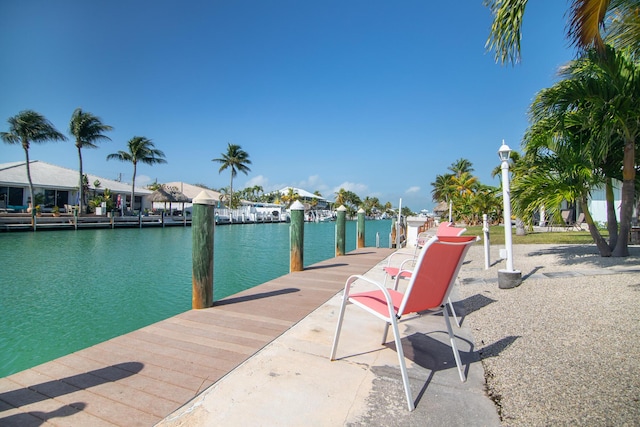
(507, 278)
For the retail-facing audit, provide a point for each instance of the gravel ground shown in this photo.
(563, 347)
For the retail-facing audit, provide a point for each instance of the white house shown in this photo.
(58, 185)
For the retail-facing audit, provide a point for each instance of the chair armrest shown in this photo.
(380, 286)
(395, 254)
(403, 266)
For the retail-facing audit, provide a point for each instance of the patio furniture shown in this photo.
(427, 292)
(444, 229)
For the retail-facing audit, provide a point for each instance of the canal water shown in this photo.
(64, 290)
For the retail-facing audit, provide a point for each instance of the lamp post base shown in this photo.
(509, 279)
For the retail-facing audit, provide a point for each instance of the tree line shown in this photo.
(87, 130)
(584, 129)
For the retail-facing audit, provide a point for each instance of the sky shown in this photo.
(374, 96)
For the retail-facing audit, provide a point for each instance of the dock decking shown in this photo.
(139, 378)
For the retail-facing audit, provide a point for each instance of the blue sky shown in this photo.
(377, 97)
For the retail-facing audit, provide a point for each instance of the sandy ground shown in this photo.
(562, 348)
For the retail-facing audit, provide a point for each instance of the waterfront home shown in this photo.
(306, 198)
(58, 187)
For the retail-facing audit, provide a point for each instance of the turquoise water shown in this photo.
(64, 290)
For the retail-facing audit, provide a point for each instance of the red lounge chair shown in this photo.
(444, 229)
(428, 289)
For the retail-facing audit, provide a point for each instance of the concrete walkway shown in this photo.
(291, 382)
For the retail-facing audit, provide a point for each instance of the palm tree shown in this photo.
(341, 197)
(442, 190)
(290, 197)
(141, 149)
(87, 130)
(586, 20)
(559, 167)
(606, 90)
(461, 166)
(235, 159)
(27, 127)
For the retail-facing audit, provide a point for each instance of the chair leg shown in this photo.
(336, 337)
(453, 311)
(452, 339)
(403, 366)
(385, 333)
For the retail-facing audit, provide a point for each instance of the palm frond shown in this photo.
(586, 19)
(505, 35)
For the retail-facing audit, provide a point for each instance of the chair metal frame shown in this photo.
(432, 287)
(444, 229)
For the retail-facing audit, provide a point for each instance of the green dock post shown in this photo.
(341, 221)
(202, 228)
(360, 228)
(296, 235)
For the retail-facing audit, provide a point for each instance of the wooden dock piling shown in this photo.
(296, 235)
(360, 232)
(202, 230)
(341, 230)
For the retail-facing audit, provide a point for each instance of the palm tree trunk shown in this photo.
(81, 183)
(628, 191)
(612, 220)
(601, 243)
(33, 201)
(231, 192)
(133, 186)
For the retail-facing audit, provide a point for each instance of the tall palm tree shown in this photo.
(586, 21)
(461, 166)
(142, 150)
(235, 159)
(26, 127)
(87, 130)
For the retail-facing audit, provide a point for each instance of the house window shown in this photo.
(62, 198)
(49, 198)
(58, 198)
(16, 196)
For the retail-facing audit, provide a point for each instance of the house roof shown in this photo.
(168, 194)
(191, 191)
(46, 175)
(301, 193)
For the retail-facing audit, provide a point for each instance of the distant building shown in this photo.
(58, 185)
(306, 197)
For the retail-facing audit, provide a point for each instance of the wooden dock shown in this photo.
(25, 222)
(140, 378)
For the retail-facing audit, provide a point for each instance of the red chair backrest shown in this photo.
(435, 273)
(447, 229)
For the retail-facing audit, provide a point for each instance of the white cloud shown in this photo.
(257, 180)
(353, 187)
(143, 180)
(264, 183)
(314, 183)
(414, 189)
(311, 182)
